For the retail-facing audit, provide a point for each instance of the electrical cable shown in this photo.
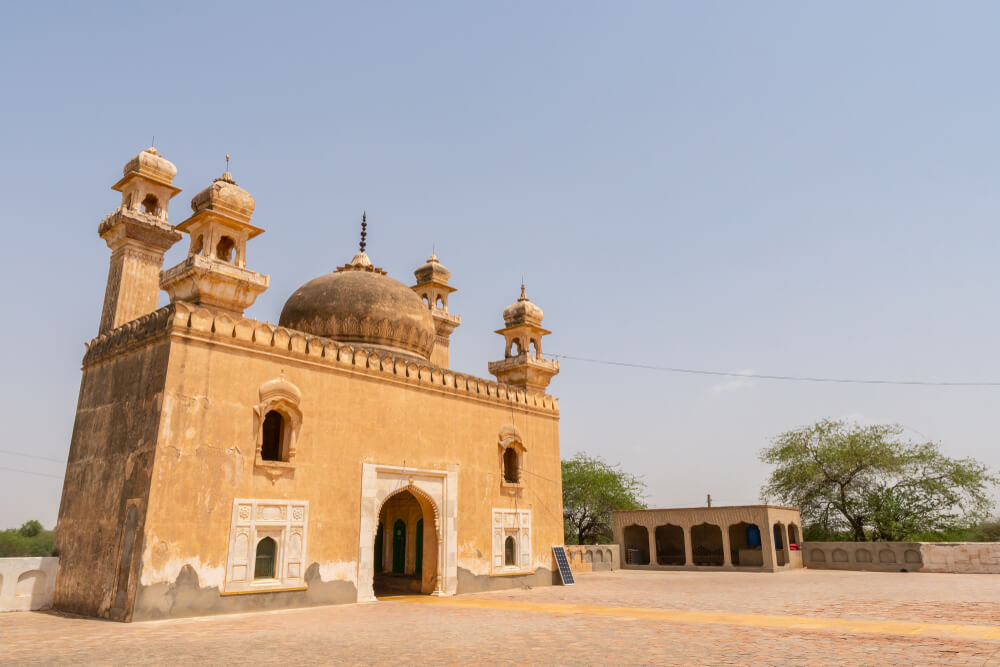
(29, 472)
(761, 376)
(32, 456)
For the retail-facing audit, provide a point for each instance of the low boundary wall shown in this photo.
(27, 583)
(958, 557)
(593, 557)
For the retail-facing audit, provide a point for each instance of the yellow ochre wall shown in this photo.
(397, 414)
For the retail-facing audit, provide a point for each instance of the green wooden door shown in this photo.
(399, 546)
(378, 549)
(420, 547)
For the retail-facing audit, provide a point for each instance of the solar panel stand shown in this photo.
(562, 563)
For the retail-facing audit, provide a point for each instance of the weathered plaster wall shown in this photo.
(868, 556)
(962, 557)
(356, 410)
(103, 507)
(593, 557)
(966, 557)
(27, 583)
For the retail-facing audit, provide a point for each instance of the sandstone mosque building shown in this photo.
(223, 464)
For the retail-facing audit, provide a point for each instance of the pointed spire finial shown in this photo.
(227, 161)
(523, 297)
(364, 229)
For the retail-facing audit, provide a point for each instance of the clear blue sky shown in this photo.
(788, 188)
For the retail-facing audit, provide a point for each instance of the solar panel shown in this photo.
(563, 562)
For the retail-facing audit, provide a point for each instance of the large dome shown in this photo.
(361, 305)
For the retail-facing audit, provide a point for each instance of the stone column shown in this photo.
(438, 590)
(688, 548)
(727, 556)
(784, 539)
(652, 545)
(767, 545)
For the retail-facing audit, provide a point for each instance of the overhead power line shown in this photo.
(787, 378)
(32, 456)
(30, 472)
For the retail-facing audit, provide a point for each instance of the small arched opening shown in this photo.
(198, 245)
(745, 545)
(793, 537)
(264, 559)
(273, 436)
(510, 552)
(706, 544)
(515, 349)
(511, 472)
(780, 548)
(535, 349)
(670, 545)
(151, 205)
(636, 545)
(439, 304)
(224, 249)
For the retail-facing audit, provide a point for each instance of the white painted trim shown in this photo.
(378, 482)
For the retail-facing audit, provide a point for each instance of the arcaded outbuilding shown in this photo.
(761, 537)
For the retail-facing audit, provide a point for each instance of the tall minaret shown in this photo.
(432, 286)
(523, 365)
(138, 234)
(214, 272)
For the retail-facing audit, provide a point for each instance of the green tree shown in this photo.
(31, 539)
(30, 528)
(865, 482)
(591, 489)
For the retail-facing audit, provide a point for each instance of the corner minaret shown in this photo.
(523, 365)
(214, 273)
(432, 286)
(138, 235)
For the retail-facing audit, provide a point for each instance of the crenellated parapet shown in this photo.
(190, 321)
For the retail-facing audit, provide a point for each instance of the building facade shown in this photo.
(223, 464)
(763, 537)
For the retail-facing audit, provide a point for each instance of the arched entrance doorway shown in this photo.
(405, 564)
(437, 493)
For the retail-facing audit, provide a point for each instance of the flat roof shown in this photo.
(715, 507)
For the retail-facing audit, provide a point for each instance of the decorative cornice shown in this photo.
(189, 321)
(129, 224)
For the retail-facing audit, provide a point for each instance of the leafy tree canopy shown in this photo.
(591, 489)
(867, 482)
(30, 528)
(31, 539)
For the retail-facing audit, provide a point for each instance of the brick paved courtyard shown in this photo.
(795, 618)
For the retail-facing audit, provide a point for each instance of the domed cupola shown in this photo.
(361, 305)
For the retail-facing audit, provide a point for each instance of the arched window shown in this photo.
(270, 449)
(515, 348)
(534, 348)
(224, 250)
(198, 245)
(151, 205)
(439, 303)
(510, 552)
(277, 422)
(510, 472)
(264, 560)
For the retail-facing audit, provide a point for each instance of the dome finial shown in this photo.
(227, 161)
(364, 229)
(523, 297)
